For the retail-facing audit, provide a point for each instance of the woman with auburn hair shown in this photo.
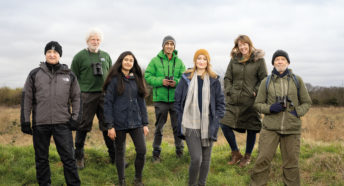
(244, 73)
(199, 103)
(126, 112)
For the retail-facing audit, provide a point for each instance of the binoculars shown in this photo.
(97, 69)
(169, 77)
(283, 100)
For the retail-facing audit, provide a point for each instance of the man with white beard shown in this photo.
(91, 66)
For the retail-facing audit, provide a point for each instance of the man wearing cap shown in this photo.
(283, 100)
(48, 93)
(163, 74)
(91, 66)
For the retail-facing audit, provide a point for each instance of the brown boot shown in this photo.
(245, 160)
(236, 157)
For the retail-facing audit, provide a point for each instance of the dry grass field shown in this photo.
(321, 158)
(321, 124)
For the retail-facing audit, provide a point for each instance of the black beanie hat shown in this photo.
(53, 45)
(280, 53)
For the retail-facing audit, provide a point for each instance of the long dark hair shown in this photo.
(116, 71)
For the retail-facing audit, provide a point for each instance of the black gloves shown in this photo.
(73, 125)
(276, 108)
(26, 128)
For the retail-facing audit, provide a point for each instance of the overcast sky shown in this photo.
(311, 31)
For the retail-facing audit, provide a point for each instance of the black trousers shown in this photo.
(80, 143)
(92, 104)
(161, 111)
(64, 144)
(140, 147)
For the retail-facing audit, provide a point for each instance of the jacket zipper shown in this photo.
(283, 115)
(239, 96)
(168, 73)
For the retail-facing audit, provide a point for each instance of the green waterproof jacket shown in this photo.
(283, 122)
(160, 67)
(241, 84)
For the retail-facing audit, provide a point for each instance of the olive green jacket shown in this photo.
(283, 122)
(241, 84)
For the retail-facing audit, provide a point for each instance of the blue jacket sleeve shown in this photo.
(220, 102)
(109, 101)
(178, 105)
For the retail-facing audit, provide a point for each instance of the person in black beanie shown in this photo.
(48, 93)
(280, 53)
(283, 99)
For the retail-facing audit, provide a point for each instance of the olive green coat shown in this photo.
(283, 122)
(241, 84)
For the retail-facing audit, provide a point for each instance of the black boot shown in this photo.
(122, 182)
(138, 182)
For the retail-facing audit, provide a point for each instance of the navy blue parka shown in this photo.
(217, 104)
(126, 111)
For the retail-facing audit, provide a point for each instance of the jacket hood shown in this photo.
(258, 54)
(255, 56)
(162, 54)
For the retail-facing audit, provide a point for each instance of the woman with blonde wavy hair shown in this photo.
(199, 103)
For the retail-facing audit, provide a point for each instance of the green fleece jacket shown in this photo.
(157, 71)
(82, 68)
(283, 122)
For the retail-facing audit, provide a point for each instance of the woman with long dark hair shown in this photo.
(199, 105)
(126, 112)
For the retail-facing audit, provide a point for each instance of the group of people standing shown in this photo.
(61, 100)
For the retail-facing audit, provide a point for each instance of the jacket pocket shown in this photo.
(121, 112)
(293, 123)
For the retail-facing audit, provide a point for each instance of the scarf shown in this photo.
(193, 120)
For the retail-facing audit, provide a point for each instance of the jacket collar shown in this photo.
(286, 73)
(162, 55)
(186, 76)
(62, 69)
(256, 55)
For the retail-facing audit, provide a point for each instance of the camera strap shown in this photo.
(89, 55)
(163, 68)
(267, 83)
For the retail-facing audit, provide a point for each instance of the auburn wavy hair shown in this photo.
(235, 53)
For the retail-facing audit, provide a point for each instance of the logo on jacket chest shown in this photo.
(65, 79)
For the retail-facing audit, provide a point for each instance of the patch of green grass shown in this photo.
(320, 164)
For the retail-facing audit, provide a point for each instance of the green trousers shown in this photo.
(290, 151)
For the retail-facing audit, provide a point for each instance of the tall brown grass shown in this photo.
(320, 124)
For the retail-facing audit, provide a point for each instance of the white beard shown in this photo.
(93, 48)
